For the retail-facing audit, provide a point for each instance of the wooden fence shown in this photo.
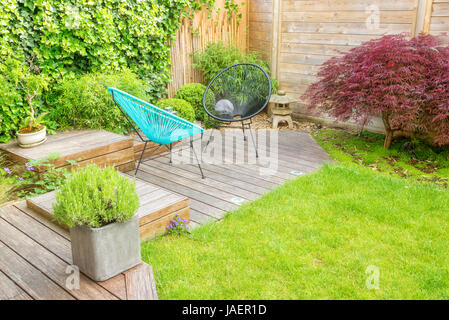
(205, 29)
(299, 35)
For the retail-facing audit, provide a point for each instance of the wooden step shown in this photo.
(157, 207)
(84, 146)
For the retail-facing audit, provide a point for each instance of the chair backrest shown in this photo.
(156, 124)
(237, 93)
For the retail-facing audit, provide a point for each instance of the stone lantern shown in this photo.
(281, 110)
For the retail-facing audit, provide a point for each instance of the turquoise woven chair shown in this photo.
(157, 125)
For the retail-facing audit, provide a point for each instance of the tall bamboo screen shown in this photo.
(206, 29)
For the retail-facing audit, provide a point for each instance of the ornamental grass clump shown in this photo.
(95, 197)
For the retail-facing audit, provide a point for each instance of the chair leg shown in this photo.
(252, 138)
(193, 149)
(243, 128)
(208, 141)
(141, 156)
(171, 153)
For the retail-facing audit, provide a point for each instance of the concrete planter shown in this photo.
(28, 140)
(102, 253)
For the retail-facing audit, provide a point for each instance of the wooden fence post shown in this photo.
(275, 38)
(423, 17)
(428, 16)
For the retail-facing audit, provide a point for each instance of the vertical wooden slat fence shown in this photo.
(206, 29)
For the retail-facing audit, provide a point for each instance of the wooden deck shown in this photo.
(157, 207)
(85, 146)
(227, 186)
(34, 258)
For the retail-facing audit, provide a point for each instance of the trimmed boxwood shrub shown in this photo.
(95, 197)
(86, 103)
(193, 93)
(182, 107)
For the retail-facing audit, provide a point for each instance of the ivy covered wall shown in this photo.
(79, 36)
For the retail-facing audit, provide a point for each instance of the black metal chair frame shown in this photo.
(169, 146)
(225, 123)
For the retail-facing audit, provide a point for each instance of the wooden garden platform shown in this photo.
(34, 258)
(157, 207)
(227, 186)
(85, 146)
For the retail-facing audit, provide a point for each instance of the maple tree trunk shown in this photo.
(388, 131)
(388, 139)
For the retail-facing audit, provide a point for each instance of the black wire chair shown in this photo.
(237, 94)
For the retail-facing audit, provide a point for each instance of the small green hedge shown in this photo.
(86, 103)
(193, 93)
(182, 107)
(95, 197)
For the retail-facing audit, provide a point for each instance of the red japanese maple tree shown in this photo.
(404, 81)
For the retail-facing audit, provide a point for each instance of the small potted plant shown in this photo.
(34, 132)
(99, 206)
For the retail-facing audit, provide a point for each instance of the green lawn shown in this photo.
(407, 159)
(313, 238)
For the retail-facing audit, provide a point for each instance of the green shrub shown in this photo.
(86, 103)
(193, 94)
(76, 37)
(95, 197)
(182, 107)
(218, 56)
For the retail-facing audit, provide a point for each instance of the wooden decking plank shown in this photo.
(10, 291)
(195, 175)
(284, 159)
(200, 218)
(139, 283)
(254, 171)
(221, 178)
(87, 143)
(153, 196)
(205, 208)
(192, 194)
(44, 221)
(233, 173)
(30, 279)
(218, 197)
(94, 152)
(265, 181)
(196, 178)
(25, 154)
(46, 237)
(160, 207)
(289, 145)
(48, 263)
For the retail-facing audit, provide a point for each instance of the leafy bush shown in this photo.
(406, 82)
(95, 197)
(218, 56)
(86, 103)
(182, 107)
(193, 93)
(80, 36)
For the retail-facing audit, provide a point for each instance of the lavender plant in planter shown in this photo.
(99, 206)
